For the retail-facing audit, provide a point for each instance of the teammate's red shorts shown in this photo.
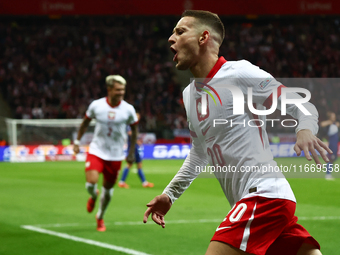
(263, 226)
(109, 169)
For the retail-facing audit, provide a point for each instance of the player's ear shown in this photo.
(204, 37)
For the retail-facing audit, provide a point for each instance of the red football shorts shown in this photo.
(109, 169)
(263, 226)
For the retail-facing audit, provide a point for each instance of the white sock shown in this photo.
(91, 189)
(104, 201)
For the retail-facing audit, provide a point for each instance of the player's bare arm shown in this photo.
(131, 154)
(307, 142)
(158, 207)
(81, 131)
(326, 123)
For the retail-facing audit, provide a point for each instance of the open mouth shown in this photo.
(174, 52)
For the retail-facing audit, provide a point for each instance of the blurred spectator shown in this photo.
(2, 142)
(37, 112)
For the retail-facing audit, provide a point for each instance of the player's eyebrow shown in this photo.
(178, 28)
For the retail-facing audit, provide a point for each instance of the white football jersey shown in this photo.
(224, 137)
(110, 130)
(333, 129)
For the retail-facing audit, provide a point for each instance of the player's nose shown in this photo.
(171, 39)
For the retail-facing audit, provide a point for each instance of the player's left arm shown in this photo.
(325, 123)
(263, 87)
(306, 139)
(160, 205)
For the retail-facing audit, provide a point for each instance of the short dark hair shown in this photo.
(207, 18)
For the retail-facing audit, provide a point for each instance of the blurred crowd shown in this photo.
(54, 68)
(294, 48)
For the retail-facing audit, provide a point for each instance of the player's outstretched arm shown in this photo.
(307, 142)
(326, 123)
(158, 207)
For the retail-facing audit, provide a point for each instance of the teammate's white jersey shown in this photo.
(333, 129)
(110, 130)
(235, 140)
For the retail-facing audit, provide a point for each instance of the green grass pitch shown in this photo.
(52, 196)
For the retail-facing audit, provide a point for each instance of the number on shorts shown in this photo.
(238, 212)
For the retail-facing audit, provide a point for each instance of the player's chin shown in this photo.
(181, 66)
(120, 98)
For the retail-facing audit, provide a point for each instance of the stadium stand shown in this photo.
(53, 68)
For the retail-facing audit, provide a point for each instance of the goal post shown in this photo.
(43, 131)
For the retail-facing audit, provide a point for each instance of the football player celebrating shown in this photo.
(106, 151)
(262, 219)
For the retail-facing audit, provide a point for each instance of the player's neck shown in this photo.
(113, 102)
(204, 65)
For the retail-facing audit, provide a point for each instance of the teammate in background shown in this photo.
(262, 219)
(106, 151)
(332, 130)
(138, 161)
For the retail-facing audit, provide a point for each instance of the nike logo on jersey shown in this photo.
(205, 132)
(217, 229)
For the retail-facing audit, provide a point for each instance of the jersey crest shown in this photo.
(111, 115)
(200, 116)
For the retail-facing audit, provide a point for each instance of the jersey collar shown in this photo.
(215, 69)
(212, 72)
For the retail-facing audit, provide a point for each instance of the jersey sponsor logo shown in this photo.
(265, 83)
(111, 115)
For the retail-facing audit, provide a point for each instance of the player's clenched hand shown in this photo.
(158, 207)
(130, 158)
(307, 142)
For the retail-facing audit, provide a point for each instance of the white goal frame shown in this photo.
(12, 125)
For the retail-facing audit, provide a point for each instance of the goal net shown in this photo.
(45, 131)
